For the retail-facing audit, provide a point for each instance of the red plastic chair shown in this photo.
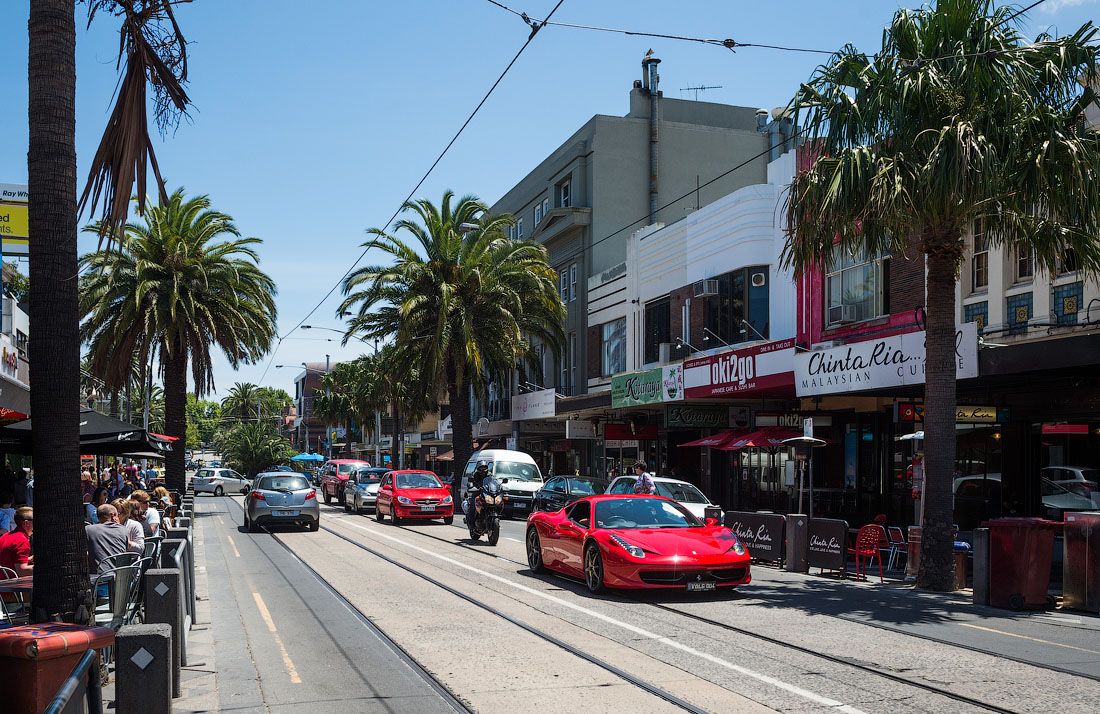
(868, 541)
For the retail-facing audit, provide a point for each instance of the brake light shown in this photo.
(258, 496)
(312, 494)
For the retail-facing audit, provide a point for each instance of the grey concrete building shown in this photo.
(617, 174)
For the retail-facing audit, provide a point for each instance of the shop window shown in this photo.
(979, 263)
(613, 347)
(977, 313)
(742, 297)
(658, 328)
(1025, 263)
(1019, 312)
(1067, 301)
(854, 288)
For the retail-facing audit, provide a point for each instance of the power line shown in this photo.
(534, 31)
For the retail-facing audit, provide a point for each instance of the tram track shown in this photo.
(844, 661)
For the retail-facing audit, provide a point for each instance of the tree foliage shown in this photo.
(251, 447)
(204, 420)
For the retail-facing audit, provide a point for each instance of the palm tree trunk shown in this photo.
(937, 564)
(112, 407)
(395, 436)
(462, 435)
(175, 417)
(61, 587)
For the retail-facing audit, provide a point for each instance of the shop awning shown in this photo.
(99, 434)
(719, 440)
(768, 437)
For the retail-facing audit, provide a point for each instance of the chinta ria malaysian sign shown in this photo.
(873, 364)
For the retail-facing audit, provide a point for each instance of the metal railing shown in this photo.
(64, 702)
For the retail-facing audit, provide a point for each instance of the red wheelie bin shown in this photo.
(1020, 551)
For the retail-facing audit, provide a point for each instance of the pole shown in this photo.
(377, 423)
(328, 393)
(811, 462)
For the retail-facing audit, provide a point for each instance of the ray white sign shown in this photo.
(873, 364)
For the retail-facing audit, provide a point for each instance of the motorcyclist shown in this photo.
(477, 478)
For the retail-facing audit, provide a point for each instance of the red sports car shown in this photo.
(415, 495)
(636, 541)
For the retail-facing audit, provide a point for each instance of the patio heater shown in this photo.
(803, 447)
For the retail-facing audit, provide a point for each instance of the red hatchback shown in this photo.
(333, 475)
(415, 495)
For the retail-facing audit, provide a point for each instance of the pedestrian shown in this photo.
(643, 480)
(99, 497)
(7, 514)
(106, 538)
(87, 486)
(15, 547)
(148, 516)
(135, 533)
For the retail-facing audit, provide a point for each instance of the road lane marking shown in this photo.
(233, 545)
(291, 670)
(766, 679)
(1025, 637)
(511, 538)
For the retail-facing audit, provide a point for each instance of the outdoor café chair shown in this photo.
(899, 546)
(15, 612)
(122, 586)
(868, 540)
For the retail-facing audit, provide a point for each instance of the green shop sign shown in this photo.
(653, 386)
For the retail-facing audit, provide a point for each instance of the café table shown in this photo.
(17, 585)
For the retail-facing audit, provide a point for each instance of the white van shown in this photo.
(518, 474)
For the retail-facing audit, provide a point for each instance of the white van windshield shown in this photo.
(516, 471)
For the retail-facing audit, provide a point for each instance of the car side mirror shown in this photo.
(386, 487)
(504, 480)
(713, 522)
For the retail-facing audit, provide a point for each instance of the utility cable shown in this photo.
(534, 31)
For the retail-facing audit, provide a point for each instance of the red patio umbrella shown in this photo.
(720, 440)
(768, 437)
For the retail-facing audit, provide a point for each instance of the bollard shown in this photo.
(174, 554)
(164, 605)
(981, 566)
(797, 543)
(143, 669)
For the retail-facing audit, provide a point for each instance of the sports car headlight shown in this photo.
(628, 547)
(405, 500)
(737, 546)
(447, 500)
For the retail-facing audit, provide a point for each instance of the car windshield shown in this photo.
(347, 468)
(516, 471)
(282, 483)
(587, 486)
(418, 480)
(682, 492)
(204, 473)
(642, 513)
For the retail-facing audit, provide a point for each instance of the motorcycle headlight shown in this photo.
(737, 546)
(447, 500)
(629, 547)
(405, 500)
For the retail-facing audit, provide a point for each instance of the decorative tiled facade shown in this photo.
(1067, 301)
(977, 312)
(1019, 311)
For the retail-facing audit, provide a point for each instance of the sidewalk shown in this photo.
(1063, 640)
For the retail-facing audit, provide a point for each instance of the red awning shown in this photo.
(719, 440)
(164, 436)
(768, 437)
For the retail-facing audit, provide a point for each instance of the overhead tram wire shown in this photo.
(535, 27)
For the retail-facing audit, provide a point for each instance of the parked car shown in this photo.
(280, 498)
(279, 468)
(220, 481)
(413, 494)
(517, 473)
(978, 498)
(684, 493)
(636, 541)
(559, 491)
(361, 488)
(333, 475)
(1079, 479)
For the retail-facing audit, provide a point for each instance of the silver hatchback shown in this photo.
(281, 498)
(361, 488)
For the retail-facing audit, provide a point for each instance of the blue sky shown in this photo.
(312, 122)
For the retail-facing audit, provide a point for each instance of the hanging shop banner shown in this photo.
(697, 416)
(653, 386)
(873, 364)
(580, 429)
(613, 430)
(827, 544)
(533, 405)
(767, 367)
(762, 533)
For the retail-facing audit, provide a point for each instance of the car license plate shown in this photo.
(427, 508)
(285, 513)
(701, 585)
(520, 504)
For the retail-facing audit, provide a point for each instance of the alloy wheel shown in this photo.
(534, 551)
(593, 569)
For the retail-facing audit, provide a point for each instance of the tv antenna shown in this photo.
(700, 88)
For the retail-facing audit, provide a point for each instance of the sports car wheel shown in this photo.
(534, 551)
(593, 569)
(219, 491)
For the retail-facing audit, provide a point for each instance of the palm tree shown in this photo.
(152, 50)
(243, 401)
(957, 121)
(460, 304)
(251, 447)
(333, 402)
(174, 290)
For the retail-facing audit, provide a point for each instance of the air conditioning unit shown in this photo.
(840, 314)
(759, 280)
(665, 351)
(706, 288)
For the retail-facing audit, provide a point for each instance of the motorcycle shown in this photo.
(484, 518)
